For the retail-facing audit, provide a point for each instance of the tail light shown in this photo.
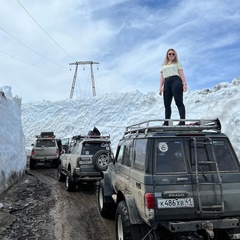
(33, 152)
(57, 152)
(149, 205)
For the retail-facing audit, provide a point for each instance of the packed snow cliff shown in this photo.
(111, 113)
(12, 140)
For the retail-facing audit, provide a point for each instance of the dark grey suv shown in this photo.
(173, 182)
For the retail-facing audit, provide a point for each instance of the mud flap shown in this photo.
(132, 209)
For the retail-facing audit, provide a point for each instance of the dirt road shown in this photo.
(39, 207)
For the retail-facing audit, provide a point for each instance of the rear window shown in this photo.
(169, 157)
(46, 143)
(92, 148)
(220, 151)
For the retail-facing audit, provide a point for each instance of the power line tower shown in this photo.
(75, 76)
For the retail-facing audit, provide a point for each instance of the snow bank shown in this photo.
(12, 140)
(111, 113)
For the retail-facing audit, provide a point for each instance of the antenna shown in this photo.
(75, 76)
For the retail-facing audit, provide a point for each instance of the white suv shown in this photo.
(45, 150)
(84, 160)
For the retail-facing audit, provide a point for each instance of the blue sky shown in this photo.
(129, 39)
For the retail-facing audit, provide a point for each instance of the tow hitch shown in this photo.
(209, 229)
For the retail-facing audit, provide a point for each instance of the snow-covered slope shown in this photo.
(110, 114)
(113, 112)
(12, 140)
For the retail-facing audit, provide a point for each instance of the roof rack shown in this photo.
(81, 137)
(172, 125)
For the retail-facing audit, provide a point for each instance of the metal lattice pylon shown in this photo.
(75, 76)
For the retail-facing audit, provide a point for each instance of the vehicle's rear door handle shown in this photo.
(138, 185)
(183, 179)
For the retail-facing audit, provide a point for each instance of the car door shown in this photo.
(138, 176)
(122, 168)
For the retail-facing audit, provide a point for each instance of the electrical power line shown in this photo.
(45, 30)
(31, 48)
(28, 62)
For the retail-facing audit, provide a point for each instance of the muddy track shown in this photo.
(39, 207)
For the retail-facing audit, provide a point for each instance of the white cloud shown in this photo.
(128, 38)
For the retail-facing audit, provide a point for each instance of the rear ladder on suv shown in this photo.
(216, 207)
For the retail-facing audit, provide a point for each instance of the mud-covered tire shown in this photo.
(69, 183)
(32, 164)
(56, 163)
(101, 160)
(106, 209)
(122, 221)
(60, 176)
(124, 229)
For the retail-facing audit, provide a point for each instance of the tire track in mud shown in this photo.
(76, 214)
(41, 208)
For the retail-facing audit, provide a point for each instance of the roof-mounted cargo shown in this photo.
(46, 135)
(81, 137)
(197, 125)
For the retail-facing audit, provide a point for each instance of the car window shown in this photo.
(46, 143)
(65, 141)
(124, 155)
(92, 148)
(222, 154)
(140, 150)
(169, 157)
(120, 152)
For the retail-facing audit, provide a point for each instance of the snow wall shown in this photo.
(111, 113)
(12, 140)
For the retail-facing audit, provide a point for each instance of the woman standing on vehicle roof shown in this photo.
(172, 84)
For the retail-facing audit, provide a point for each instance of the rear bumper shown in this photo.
(44, 159)
(182, 226)
(87, 176)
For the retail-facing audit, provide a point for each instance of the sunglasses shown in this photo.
(171, 54)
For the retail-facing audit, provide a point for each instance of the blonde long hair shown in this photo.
(166, 60)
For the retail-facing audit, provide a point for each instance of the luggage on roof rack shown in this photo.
(46, 135)
(81, 137)
(172, 125)
(94, 132)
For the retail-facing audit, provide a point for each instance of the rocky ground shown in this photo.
(39, 207)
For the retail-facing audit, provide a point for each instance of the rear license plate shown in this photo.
(175, 203)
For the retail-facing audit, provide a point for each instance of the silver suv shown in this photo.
(83, 160)
(173, 183)
(45, 150)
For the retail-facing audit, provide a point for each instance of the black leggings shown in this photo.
(173, 87)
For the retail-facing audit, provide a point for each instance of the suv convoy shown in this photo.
(45, 150)
(83, 160)
(173, 182)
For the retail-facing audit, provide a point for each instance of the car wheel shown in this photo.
(123, 226)
(69, 183)
(124, 229)
(60, 176)
(101, 160)
(32, 164)
(106, 209)
(56, 163)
